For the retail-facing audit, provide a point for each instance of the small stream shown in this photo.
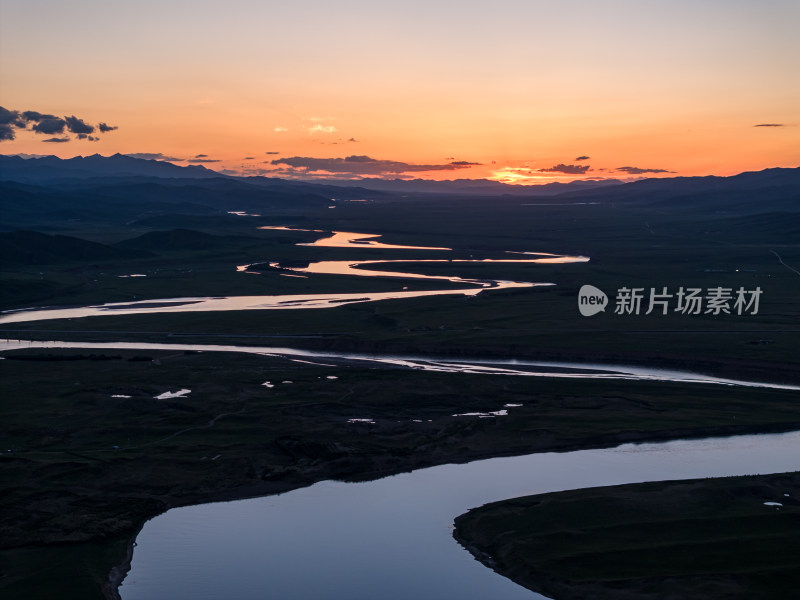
(487, 366)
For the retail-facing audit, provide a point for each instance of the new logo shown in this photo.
(591, 300)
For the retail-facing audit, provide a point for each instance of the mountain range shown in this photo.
(51, 170)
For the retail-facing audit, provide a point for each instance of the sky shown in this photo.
(518, 91)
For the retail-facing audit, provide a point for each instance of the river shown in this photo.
(392, 538)
(339, 239)
(486, 366)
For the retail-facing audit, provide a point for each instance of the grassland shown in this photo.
(72, 501)
(86, 468)
(713, 538)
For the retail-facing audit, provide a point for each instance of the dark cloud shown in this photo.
(76, 125)
(464, 163)
(770, 125)
(202, 160)
(357, 165)
(639, 170)
(582, 158)
(201, 156)
(568, 169)
(6, 132)
(271, 152)
(11, 118)
(352, 140)
(50, 126)
(153, 156)
(47, 124)
(249, 158)
(105, 128)
(32, 115)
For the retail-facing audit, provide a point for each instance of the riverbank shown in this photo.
(232, 437)
(402, 523)
(710, 538)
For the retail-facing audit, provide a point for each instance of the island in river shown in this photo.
(733, 537)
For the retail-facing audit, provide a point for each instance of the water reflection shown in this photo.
(392, 538)
(339, 239)
(348, 267)
(285, 228)
(208, 304)
(350, 239)
(507, 367)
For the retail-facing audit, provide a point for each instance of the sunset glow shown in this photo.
(509, 91)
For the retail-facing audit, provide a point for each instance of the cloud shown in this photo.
(11, 117)
(272, 152)
(76, 125)
(639, 170)
(568, 169)
(47, 124)
(464, 163)
(201, 155)
(582, 158)
(203, 160)
(357, 166)
(250, 171)
(319, 128)
(354, 140)
(280, 129)
(32, 115)
(770, 125)
(249, 158)
(153, 156)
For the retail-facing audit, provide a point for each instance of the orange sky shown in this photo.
(519, 87)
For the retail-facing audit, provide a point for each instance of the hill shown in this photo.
(27, 248)
(49, 169)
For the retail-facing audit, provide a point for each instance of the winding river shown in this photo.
(339, 239)
(509, 367)
(390, 538)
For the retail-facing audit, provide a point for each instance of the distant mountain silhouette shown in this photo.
(50, 169)
(135, 189)
(750, 192)
(484, 187)
(180, 239)
(28, 248)
(27, 206)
